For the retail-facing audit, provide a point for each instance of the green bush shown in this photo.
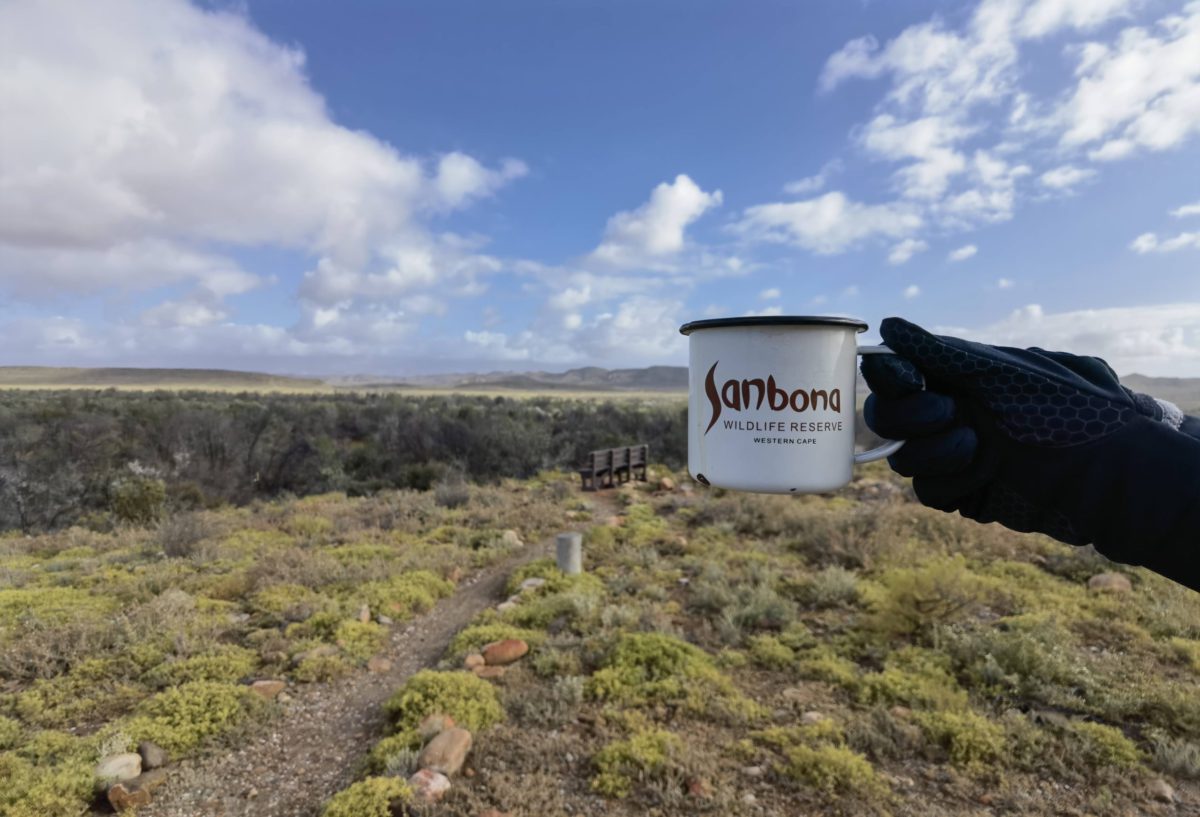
(471, 701)
(971, 740)
(476, 636)
(768, 651)
(1104, 746)
(138, 500)
(833, 770)
(914, 677)
(10, 733)
(645, 754)
(403, 595)
(223, 663)
(372, 797)
(655, 668)
(916, 600)
(181, 718)
(360, 640)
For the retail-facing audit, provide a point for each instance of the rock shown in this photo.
(268, 689)
(699, 788)
(666, 484)
(532, 583)
(364, 614)
(900, 713)
(473, 660)
(810, 718)
(754, 771)
(150, 780)
(378, 663)
(447, 752)
(124, 796)
(501, 653)
(615, 521)
(153, 755)
(1109, 583)
(749, 799)
(455, 575)
(429, 786)
(433, 725)
(1161, 791)
(505, 606)
(511, 539)
(386, 621)
(488, 672)
(119, 768)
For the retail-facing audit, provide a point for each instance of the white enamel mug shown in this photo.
(771, 404)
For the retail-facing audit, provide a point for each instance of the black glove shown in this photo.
(1040, 441)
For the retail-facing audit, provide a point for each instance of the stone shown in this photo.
(505, 606)
(666, 484)
(429, 786)
(615, 521)
(511, 539)
(687, 487)
(810, 718)
(434, 724)
(268, 689)
(1161, 791)
(122, 796)
(900, 713)
(754, 771)
(502, 653)
(488, 672)
(532, 583)
(150, 780)
(119, 768)
(447, 752)
(386, 621)
(378, 663)
(699, 788)
(364, 614)
(1109, 583)
(153, 755)
(455, 575)
(473, 660)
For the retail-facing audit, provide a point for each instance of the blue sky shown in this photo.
(299, 186)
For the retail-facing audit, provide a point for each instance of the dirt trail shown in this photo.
(314, 748)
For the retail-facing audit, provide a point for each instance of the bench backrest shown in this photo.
(619, 457)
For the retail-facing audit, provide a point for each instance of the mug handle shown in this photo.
(892, 446)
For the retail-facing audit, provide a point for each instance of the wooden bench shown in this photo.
(600, 467)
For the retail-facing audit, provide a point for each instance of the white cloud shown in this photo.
(1187, 210)
(1065, 177)
(1004, 283)
(1149, 242)
(771, 294)
(1153, 340)
(1045, 16)
(906, 249)
(1140, 92)
(146, 133)
(928, 141)
(656, 229)
(911, 291)
(850, 291)
(828, 224)
(767, 311)
(811, 184)
(962, 253)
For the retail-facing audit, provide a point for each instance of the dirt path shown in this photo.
(314, 748)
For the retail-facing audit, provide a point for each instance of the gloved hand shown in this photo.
(1040, 441)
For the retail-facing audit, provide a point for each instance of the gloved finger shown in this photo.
(945, 453)
(937, 356)
(913, 415)
(891, 375)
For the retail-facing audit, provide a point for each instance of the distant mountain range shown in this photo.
(1184, 391)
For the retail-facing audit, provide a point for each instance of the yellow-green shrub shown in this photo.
(471, 701)
(1103, 745)
(971, 740)
(226, 663)
(402, 595)
(644, 754)
(181, 718)
(474, 637)
(372, 797)
(10, 733)
(768, 651)
(359, 640)
(832, 769)
(914, 677)
(916, 599)
(823, 664)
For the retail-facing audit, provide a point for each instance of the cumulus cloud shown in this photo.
(146, 134)
(1152, 340)
(772, 294)
(911, 291)
(1064, 177)
(1140, 92)
(811, 184)
(906, 249)
(1004, 283)
(1149, 242)
(656, 229)
(962, 253)
(1187, 210)
(828, 224)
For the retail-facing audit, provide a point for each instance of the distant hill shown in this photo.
(589, 379)
(53, 377)
(1182, 391)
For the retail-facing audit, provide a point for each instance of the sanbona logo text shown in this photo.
(756, 393)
